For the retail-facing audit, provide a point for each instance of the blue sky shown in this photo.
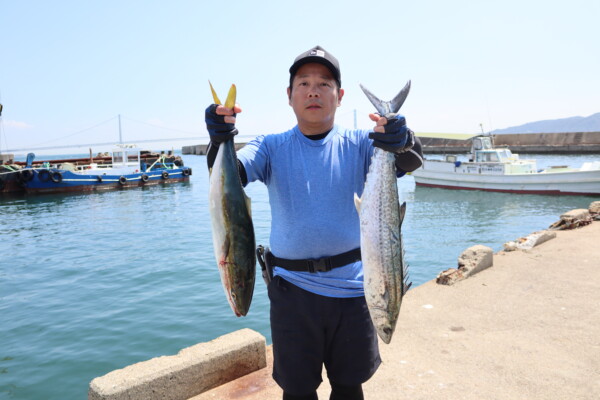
(68, 68)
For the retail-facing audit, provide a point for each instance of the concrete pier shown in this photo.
(528, 327)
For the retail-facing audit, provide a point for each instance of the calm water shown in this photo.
(92, 283)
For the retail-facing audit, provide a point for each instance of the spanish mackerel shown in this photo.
(381, 216)
(232, 228)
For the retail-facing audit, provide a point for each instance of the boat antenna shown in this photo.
(481, 126)
(120, 135)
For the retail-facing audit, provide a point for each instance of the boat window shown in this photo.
(117, 157)
(493, 157)
(486, 142)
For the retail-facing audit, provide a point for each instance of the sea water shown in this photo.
(90, 283)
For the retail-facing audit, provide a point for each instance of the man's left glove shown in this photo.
(397, 136)
(218, 129)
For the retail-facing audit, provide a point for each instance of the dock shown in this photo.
(528, 327)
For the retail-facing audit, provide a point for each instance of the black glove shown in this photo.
(218, 129)
(396, 138)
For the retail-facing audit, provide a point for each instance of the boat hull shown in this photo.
(451, 176)
(57, 181)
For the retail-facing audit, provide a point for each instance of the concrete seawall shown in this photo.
(551, 143)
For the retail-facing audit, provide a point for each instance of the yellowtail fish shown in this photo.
(232, 228)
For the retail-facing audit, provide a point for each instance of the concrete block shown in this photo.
(471, 261)
(475, 259)
(192, 371)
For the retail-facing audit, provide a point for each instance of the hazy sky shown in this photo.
(68, 68)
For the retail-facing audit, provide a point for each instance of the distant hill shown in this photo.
(572, 124)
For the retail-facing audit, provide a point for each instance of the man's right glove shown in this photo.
(219, 130)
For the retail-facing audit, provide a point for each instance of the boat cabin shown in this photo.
(126, 155)
(483, 151)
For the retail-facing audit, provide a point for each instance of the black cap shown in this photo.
(317, 55)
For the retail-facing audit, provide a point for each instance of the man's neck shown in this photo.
(309, 130)
(318, 136)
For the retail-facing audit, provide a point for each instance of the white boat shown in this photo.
(499, 170)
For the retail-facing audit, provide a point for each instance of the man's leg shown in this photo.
(342, 392)
(312, 396)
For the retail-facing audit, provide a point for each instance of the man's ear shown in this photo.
(340, 95)
(289, 93)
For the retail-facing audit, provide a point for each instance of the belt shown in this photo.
(317, 265)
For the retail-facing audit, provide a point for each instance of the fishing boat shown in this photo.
(497, 169)
(125, 167)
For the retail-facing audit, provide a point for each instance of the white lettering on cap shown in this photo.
(319, 53)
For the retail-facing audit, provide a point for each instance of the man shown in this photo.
(318, 311)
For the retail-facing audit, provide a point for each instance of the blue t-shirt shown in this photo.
(311, 185)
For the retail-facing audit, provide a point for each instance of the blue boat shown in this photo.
(127, 167)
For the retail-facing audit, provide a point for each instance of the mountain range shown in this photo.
(571, 124)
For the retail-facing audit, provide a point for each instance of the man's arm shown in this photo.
(411, 159)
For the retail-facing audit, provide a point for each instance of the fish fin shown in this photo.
(406, 284)
(357, 202)
(398, 101)
(385, 107)
(401, 212)
(230, 100)
(248, 204)
(214, 94)
(380, 105)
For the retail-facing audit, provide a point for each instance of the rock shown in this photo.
(572, 219)
(449, 276)
(530, 241)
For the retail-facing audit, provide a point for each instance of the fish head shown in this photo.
(239, 308)
(238, 286)
(385, 324)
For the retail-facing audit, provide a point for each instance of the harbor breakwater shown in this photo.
(549, 143)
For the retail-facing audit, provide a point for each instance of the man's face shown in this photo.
(314, 96)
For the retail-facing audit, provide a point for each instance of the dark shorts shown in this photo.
(309, 331)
